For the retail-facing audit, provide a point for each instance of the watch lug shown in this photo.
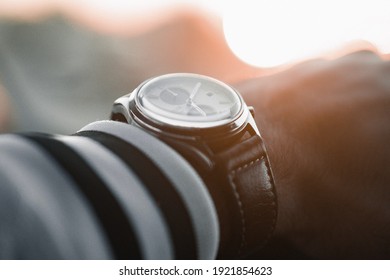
(251, 120)
(251, 110)
(120, 109)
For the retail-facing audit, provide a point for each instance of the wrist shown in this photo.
(280, 152)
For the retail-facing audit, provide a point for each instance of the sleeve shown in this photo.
(111, 191)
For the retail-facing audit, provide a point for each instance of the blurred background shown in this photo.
(63, 63)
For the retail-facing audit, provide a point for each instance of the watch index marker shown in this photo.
(226, 102)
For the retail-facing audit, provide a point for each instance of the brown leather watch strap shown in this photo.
(249, 193)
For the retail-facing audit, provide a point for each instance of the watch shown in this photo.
(209, 124)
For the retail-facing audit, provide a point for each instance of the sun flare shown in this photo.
(269, 33)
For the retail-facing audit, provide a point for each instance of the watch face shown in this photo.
(188, 100)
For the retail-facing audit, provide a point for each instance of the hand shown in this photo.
(326, 125)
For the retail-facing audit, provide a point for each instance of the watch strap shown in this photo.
(249, 187)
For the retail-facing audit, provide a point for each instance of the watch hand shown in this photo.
(195, 91)
(197, 108)
(173, 93)
(186, 109)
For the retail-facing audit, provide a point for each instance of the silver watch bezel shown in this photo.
(162, 121)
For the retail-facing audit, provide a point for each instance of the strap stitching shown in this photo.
(232, 175)
(274, 202)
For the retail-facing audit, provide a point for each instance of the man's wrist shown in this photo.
(279, 152)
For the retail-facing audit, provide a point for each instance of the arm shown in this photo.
(326, 127)
(111, 191)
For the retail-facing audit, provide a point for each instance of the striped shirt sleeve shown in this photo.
(111, 191)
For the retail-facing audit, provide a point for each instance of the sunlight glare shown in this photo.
(269, 33)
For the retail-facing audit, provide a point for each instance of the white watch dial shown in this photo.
(188, 98)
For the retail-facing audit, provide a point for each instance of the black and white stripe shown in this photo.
(127, 193)
(42, 214)
(183, 178)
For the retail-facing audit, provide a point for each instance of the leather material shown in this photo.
(249, 188)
